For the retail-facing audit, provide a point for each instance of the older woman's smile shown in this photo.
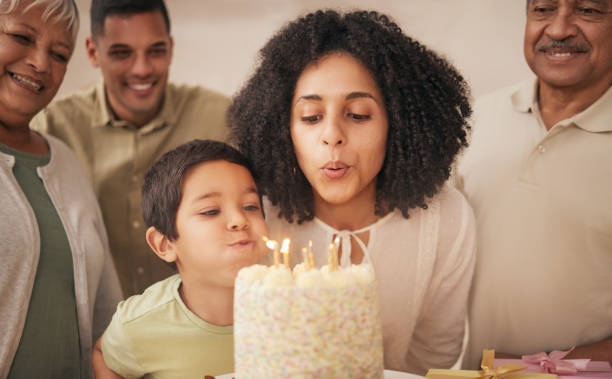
(27, 82)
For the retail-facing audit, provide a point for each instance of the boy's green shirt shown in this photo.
(154, 335)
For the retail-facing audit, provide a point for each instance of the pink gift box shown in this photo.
(594, 369)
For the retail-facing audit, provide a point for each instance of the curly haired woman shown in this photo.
(352, 128)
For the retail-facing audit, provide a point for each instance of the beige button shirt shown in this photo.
(543, 206)
(117, 155)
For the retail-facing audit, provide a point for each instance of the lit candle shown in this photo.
(330, 258)
(305, 257)
(273, 245)
(310, 255)
(336, 245)
(333, 255)
(285, 251)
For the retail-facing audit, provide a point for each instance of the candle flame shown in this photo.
(285, 252)
(271, 244)
(285, 247)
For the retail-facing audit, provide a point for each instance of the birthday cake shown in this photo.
(309, 323)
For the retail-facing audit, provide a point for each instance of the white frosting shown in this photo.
(278, 277)
(321, 324)
(309, 279)
(338, 278)
(254, 273)
(299, 268)
(363, 274)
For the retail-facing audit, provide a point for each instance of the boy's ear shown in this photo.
(161, 245)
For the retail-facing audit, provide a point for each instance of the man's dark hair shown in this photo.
(161, 192)
(101, 9)
(426, 101)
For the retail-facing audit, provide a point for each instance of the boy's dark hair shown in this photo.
(426, 101)
(161, 192)
(101, 9)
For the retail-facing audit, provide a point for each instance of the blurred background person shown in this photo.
(120, 126)
(538, 174)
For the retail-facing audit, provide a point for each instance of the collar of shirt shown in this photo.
(596, 118)
(104, 116)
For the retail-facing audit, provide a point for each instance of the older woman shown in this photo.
(57, 283)
(352, 128)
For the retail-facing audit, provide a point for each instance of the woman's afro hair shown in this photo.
(426, 101)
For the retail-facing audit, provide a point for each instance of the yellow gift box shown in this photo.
(507, 371)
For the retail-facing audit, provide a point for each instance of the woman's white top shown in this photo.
(424, 267)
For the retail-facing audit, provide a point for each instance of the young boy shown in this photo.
(204, 214)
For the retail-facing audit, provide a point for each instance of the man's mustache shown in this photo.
(569, 46)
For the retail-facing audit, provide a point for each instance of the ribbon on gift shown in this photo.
(555, 363)
(487, 372)
(490, 372)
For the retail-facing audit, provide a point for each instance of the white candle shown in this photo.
(285, 251)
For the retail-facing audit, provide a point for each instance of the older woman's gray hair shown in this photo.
(56, 11)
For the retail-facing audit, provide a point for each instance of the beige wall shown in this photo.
(216, 41)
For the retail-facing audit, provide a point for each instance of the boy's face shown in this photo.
(220, 224)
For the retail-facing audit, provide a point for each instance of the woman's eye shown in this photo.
(311, 119)
(59, 57)
(251, 207)
(212, 212)
(359, 117)
(21, 38)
